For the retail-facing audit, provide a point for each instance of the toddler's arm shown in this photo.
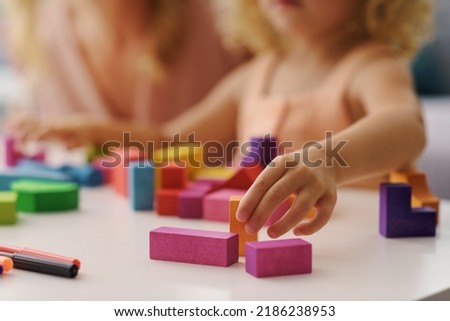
(388, 134)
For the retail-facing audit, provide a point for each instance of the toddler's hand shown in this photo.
(314, 187)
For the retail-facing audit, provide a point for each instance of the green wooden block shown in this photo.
(8, 214)
(45, 196)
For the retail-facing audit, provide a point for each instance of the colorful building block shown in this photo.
(261, 151)
(10, 175)
(13, 156)
(243, 178)
(278, 257)
(215, 173)
(8, 214)
(397, 219)
(421, 193)
(141, 182)
(194, 246)
(106, 172)
(216, 204)
(174, 176)
(45, 196)
(167, 201)
(190, 200)
(119, 176)
(238, 227)
(188, 155)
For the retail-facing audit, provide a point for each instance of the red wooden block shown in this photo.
(242, 179)
(167, 201)
(174, 176)
(194, 246)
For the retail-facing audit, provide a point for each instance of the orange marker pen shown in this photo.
(37, 253)
(6, 264)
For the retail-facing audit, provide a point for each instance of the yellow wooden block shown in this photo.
(239, 227)
(214, 173)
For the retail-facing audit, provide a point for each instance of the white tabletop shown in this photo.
(351, 261)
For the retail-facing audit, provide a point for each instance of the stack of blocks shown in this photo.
(8, 214)
(44, 196)
(398, 219)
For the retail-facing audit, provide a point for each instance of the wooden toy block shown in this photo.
(278, 257)
(167, 201)
(105, 171)
(215, 173)
(242, 179)
(13, 156)
(190, 200)
(8, 213)
(174, 176)
(45, 196)
(216, 204)
(12, 174)
(84, 175)
(119, 176)
(397, 219)
(421, 193)
(238, 227)
(262, 151)
(141, 186)
(188, 155)
(194, 246)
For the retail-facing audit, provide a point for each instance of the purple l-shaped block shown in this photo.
(194, 246)
(397, 219)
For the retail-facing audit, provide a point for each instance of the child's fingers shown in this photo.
(297, 213)
(274, 196)
(324, 209)
(256, 192)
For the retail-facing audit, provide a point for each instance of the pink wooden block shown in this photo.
(216, 204)
(194, 246)
(279, 257)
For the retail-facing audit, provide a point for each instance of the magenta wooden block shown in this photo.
(194, 246)
(216, 204)
(279, 257)
(190, 201)
(397, 219)
(12, 156)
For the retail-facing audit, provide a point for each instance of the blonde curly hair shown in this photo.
(404, 24)
(166, 19)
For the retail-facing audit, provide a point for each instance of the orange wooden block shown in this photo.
(421, 194)
(238, 227)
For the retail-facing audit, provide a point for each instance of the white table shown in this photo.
(351, 261)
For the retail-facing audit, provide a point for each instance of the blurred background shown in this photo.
(431, 70)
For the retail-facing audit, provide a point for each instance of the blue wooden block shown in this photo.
(13, 174)
(397, 219)
(84, 175)
(141, 185)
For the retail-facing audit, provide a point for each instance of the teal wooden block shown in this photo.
(45, 196)
(8, 176)
(8, 213)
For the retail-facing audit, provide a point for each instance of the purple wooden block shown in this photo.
(397, 219)
(279, 257)
(194, 246)
(216, 205)
(261, 151)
